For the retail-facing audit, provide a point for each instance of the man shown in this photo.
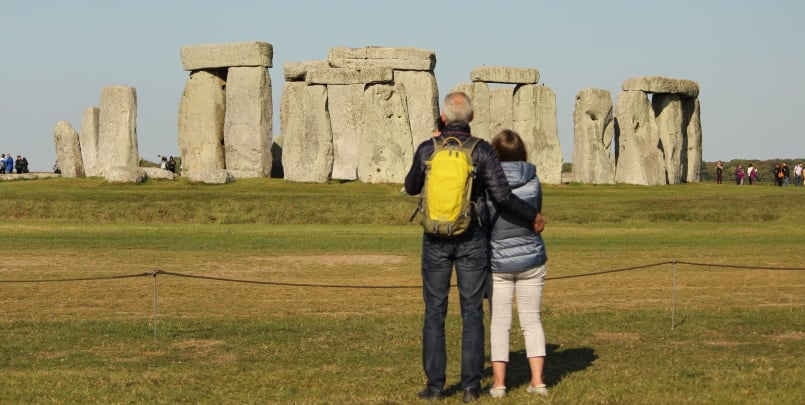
(3, 165)
(468, 252)
(798, 175)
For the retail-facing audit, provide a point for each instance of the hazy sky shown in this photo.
(747, 56)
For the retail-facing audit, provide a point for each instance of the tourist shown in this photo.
(18, 164)
(3, 164)
(751, 173)
(719, 172)
(24, 164)
(798, 175)
(739, 175)
(9, 164)
(517, 269)
(468, 252)
(778, 174)
(786, 173)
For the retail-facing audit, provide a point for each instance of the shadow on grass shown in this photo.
(558, 365)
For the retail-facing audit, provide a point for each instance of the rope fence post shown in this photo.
(155, 304)
(673, 299)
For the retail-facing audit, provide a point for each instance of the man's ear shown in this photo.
(441, 117)
(472, 116)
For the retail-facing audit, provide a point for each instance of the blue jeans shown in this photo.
(469, 255)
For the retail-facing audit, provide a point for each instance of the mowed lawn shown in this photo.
(263, 291)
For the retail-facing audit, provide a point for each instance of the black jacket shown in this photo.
(489, 178)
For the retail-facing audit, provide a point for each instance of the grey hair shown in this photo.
(457, 108)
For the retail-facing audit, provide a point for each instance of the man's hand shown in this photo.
(539, 223)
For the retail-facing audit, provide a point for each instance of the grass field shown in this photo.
(709, 307)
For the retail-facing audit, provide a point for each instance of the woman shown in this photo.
(719, 172)
(518, 269)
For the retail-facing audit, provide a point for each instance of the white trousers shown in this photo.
(527, 286)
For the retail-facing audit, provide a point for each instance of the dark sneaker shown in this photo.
(471, 395)
(430, 395)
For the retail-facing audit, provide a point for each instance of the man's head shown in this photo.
(457, 108)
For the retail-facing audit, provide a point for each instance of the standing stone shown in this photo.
(479, 95)
(594, 130)
(386, 147)
(117, 127)
(88, 138)
(307, 149)
(201, 122)
(68, 150)
(501, 105)
(247, 122)
(668, 115)
(422, 99)
(639, 160)
(346, 115)
(534, 118)
(693, 131)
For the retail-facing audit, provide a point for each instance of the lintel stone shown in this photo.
(497, 74)
(401, 58)
(215, 56)
(350, 76)
(659, 84)
(297, 71)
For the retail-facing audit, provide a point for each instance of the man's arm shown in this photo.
(500, 192)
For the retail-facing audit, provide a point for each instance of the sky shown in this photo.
(748, 57)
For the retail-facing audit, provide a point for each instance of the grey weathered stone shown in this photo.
(68, 150)
(594, 130)
(297, 71)
(534, 118)
(307, 149)
(88, 137)
(158, 174)
(117, 127)
(211, 176)
(214, 56)
(639, 159)
(501, 105)
(693, 158)
(669, 117)
(498, 74)
(478, 93)
(201, 122)
(346, 118)
(248, 121)
(125, 174)
(422, 99)
(386, 146)
(402, 58)
(659, 84)
(350, 75)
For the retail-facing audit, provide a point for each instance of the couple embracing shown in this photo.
(500, 245)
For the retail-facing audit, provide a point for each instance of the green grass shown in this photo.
(737, 334)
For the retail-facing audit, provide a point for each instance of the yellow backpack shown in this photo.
(445, 202)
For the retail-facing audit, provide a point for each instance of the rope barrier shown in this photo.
(157, 272)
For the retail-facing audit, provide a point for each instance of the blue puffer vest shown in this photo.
(515, 246)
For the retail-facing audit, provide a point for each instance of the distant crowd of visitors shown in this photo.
(8, 165)
(781, 174)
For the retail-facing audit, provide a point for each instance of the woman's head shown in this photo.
(509, 146)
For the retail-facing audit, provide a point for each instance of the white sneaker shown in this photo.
(497, 392)
(539, 389)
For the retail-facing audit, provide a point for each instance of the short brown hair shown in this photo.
(509, 146)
